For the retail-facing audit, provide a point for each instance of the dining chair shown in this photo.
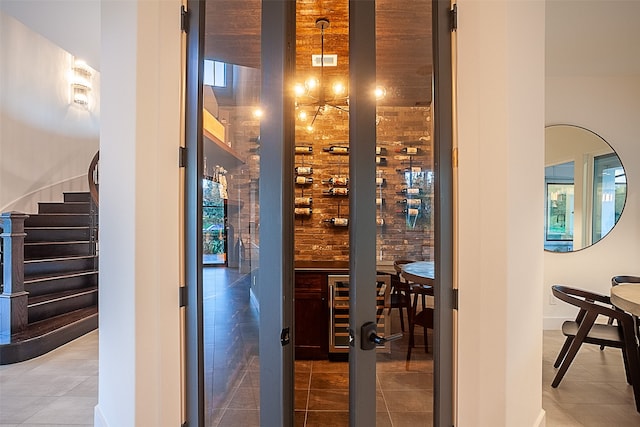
(400, 298)
(423, 318)
(400, 293)
(584, 330)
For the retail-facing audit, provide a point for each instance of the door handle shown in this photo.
(369, 337)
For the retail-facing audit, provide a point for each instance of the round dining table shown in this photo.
(421, 272)
(627, 298)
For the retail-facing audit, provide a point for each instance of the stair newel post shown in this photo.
(13, 299)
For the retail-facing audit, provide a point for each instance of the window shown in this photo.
(215, 73)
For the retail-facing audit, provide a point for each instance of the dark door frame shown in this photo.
(277, 405)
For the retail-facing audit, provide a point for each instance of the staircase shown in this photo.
(60, 276)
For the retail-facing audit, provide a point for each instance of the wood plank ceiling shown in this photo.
(404, 50)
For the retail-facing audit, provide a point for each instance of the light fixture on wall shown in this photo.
(80, 83)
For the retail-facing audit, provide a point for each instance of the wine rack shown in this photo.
(303, 180)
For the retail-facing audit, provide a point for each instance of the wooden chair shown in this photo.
(422, 318)
(400, 297)
(584, 330)
(619, 280)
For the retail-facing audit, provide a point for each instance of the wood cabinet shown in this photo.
(311, 313)
(312, 307)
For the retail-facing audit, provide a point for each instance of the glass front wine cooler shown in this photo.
(339, 312)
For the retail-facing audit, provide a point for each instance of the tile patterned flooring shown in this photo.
(60, 388)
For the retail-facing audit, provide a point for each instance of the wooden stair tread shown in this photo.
(43, 327)
(56, 227)
(58, 296)
(60, 276)
(60, 258)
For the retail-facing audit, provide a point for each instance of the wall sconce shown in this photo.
(80, 83)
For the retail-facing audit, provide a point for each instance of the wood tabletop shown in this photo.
(627, 298)
(421, 272)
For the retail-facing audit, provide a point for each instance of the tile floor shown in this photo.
(593, 392)
(60, 388)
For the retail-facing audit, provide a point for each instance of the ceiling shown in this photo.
(588, 37)
(403, 42)
(71, 24)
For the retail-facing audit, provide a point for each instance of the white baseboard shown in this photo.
(542, 419)
(98, 418)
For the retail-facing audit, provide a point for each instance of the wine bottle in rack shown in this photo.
(337, 222)
(409, 211)
(303, 180)
(337, 149)
(381, 151)
(303, 149)
(255, 139)
(380, 181)
(412, 169)
(303, 211)
(337, 180)
(304, 170)
(379, 201)
(411, 203)
(412, 151)
(379, 222)
(336, 191)
(303, 201)
(381, 161)
(411, 191)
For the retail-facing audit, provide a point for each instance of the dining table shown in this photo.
(627, 298)
(421, 272)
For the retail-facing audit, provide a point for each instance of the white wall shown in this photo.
(500, 96)
(593, 81)
(609, 106)
(46, 141)
(140, 347)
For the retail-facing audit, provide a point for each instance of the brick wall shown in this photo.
(401, 236)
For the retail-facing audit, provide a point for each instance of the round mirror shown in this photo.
(585, 188)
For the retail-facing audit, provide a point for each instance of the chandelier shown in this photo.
(314, 92)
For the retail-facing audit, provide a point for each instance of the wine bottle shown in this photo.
(412, 151)
(255, 139)
(303, 180)
(381, 150)
(304, 170)
(337, 149)
(303, 211)
(303, 149)
(337, 180)
(412, 203)
(336, 191)
(381, 161)
(379, 222)
(338, 222)
(409, 211)
(379, 201)
(412, 169)
(411, 191)
(303, 201)
(381, 181)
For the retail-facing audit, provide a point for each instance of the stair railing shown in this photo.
(94, 183)
(13, 299)
(94, 178)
